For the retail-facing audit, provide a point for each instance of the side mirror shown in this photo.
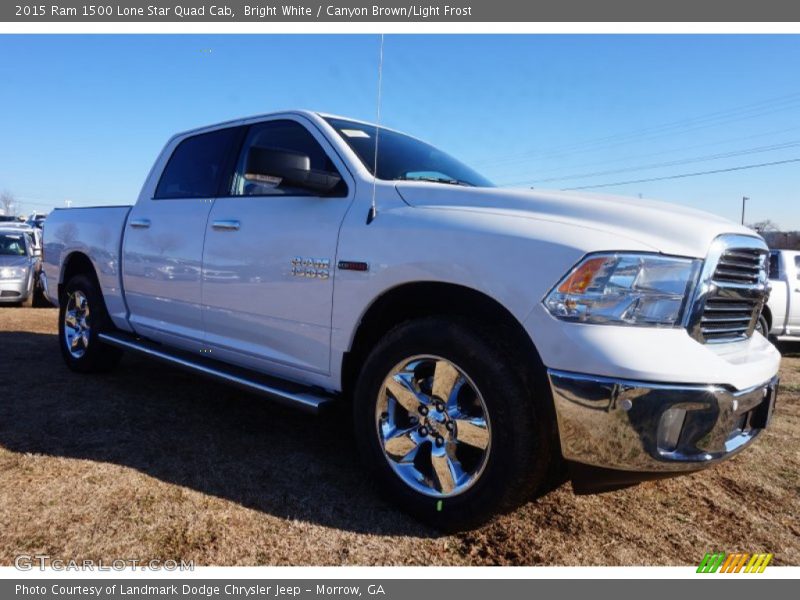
(275, 166)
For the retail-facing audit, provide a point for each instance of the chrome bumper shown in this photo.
(650, 427)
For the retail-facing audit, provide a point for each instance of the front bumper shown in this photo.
(651, 428)
(14, 290)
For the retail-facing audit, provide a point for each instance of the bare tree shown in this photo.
(765, 226)
(8, 204)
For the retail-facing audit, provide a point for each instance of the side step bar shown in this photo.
(284, 392)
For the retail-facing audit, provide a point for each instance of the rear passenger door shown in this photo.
(163, 241)
(269, 256)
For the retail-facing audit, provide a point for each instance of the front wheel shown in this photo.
(762, 326)
(447, 425)
(81, 317)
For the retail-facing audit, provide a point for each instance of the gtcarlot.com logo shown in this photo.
(42, 562)
(740, 562)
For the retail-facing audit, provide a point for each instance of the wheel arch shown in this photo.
(76, 263)
(425, 299)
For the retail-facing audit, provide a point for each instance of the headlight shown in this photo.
(625, 289)
(13, 272)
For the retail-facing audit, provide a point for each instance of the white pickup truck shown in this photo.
(781, 315)
(485, 337)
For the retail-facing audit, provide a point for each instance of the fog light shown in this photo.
(669, 429)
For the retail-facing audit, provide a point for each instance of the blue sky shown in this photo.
(83, 117)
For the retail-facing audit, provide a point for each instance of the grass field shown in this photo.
(151, 463)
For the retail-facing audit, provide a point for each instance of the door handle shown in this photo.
(226, 225)
(139, 223)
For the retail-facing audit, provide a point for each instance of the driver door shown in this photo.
(269, 255)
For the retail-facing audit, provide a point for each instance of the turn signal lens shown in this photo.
(582, 277)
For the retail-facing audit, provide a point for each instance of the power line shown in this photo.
(683, 175)
(40, 203)
(673, 150)
(672, 163)
(716, 118)
(61, 201)
(743, 112)
(640, 138)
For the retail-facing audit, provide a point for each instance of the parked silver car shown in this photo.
(19, 265)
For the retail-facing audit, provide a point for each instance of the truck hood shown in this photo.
(667, 228)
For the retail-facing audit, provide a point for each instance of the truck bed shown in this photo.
(95, 233)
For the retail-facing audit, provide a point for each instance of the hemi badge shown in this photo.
(351, 265)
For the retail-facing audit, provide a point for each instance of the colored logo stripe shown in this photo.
(733, 563)
(711, 562)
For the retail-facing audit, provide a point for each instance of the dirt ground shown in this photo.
(149, 462)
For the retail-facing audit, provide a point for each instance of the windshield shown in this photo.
(401, 157)
(12, 244)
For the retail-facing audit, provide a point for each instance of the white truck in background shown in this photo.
(484, 337)
(781, 316)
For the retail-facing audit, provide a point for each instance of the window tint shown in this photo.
(774, 268)
(12, 244)
(286, 144)
(797, 266)
(196, 165)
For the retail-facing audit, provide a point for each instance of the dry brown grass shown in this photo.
(148, 462)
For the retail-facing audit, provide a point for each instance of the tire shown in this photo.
(84, 307)
(515, 431)
(762, 326)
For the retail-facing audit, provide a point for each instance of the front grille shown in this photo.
(740, 265)
(733, 291)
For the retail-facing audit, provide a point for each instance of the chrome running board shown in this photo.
(284, 392)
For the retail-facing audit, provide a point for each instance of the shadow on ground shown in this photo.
(190, 432)
(789, 349)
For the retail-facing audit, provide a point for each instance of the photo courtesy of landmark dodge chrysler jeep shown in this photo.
(485, 338)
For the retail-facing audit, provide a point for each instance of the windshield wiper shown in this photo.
(446, 180)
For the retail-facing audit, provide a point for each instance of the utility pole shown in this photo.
(744, 201)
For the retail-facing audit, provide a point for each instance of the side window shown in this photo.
(774, 266)
(281, 158)
(196, 165)
(797, 266)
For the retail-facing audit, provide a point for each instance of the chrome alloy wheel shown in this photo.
(77, 324)
(433, 426)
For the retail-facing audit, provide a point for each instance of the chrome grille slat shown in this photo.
(732, 290)
(729, 306)
(732, 275)
(738, 263)
(744, 253)
(726, 331)
(707, 319)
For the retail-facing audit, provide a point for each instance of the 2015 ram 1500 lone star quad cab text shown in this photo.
(485, 337)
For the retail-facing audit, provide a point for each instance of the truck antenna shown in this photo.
(373, 209)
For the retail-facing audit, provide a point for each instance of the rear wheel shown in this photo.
(82, 316)
(447, 425)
